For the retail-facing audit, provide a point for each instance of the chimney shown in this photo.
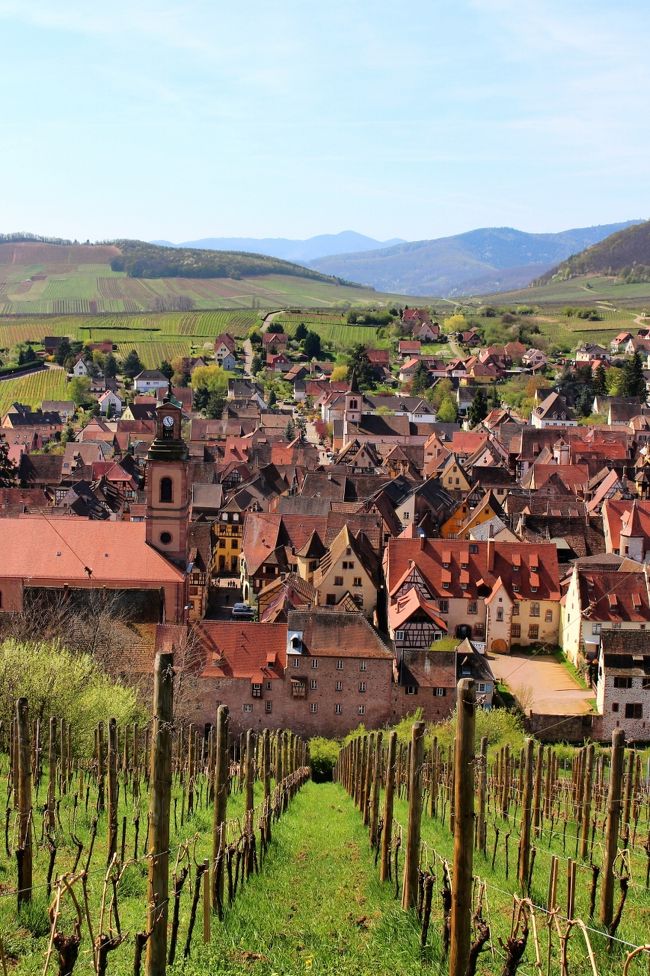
(490, 551)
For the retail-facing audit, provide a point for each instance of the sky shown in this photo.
(420, 119)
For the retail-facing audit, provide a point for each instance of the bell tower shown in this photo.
(167, 487)
(353, 408)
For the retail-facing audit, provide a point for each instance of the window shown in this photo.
(269, 685)
(338, 581)
(362, 687)
(165, 538)
(472, 606)
(166, 490)
(247, 708)
(224, 516)
(473, 548)
(256, 691)
(363, 665)
(633, 710)
(515, 587)
(548, 616)
(515, 630)
(357, 581)
(443, 606)
(482, 686)
(446, 585)
(339, 664)
(268, 707)
(515, 609)
(500, 614)
(399, 635)
(313, 684)
(361, 710)
(339, 686)
(235, 517)
(411, 690)
(614, 706)
(313, 707)
(533, 589)
(439, 692)
(533, 632)
(338, 709)
(314, 662)
(534, 609)
(330, 600)
(295, 662)
(622, 682)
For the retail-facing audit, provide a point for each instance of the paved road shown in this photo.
(542, 684)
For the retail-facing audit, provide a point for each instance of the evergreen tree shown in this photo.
(302, 429)
(421, 380)
(271, 399)
(110, 366)
(301, 332)
(63, 352)
(311, 345)
(290, 431)
(167, 369)
(8, 470)
(478, 410)
(360, 365)
(633, 378)
(132, 364)
(600, 381)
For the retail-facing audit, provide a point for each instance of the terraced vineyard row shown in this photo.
(48, 384)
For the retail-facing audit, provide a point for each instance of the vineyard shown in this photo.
(191, 849)
(47, 384)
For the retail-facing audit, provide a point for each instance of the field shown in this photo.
(48, 384)
(584, 290)
(42, 279)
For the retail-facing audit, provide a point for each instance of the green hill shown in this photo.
(625, 255)
(46, 277)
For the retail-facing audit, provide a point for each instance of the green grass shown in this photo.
(318, 906)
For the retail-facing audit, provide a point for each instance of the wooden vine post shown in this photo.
(159, 803)
(481, 831)
(221, 777)
(112, 790)
(412, 859)
(526, 814)
(389, 797)
(24, 851)
(461, 903)
(614, 807)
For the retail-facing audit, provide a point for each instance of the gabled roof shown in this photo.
(330, 633)
(403, 609)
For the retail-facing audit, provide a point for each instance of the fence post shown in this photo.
(24, 852)
(159, 801)
(461, 903)
(389, 796)
(412, 859)
(112, 790)
(221, 777)
(614, 805)
(482, 797)
(586, 801)
(526, 811)
(375, 790)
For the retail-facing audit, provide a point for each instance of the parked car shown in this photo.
(242, 611)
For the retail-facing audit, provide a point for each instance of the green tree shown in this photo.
(421, 380)
(301, 332)
(448, 411)
(311, 345)
(132, 364)
(271, 399)
(290, 430)
(8, 470)
(360, 365)
(214, 405)
(436, 394)
(478, 410)
(63, 352)
(210, 385)
(633, 379)
(600, 380)
(80, 391)
(110, 366)
(302, 429)
(256, 365)
(167, 369)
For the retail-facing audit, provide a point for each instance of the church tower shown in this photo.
(353, 408)
(167, 485)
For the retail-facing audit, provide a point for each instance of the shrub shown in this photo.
(323, 754)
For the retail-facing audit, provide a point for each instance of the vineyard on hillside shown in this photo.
(47, 384)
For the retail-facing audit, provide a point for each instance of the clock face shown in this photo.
(168, 421)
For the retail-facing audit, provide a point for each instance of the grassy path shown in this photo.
(317, 907)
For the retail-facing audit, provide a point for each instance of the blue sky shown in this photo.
(181, 120)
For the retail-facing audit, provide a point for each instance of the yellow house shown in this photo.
(463, 519)
(227, 531)
(349, 567)
(452, 475)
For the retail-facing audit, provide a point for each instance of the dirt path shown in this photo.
(542, 684)
(248, 346)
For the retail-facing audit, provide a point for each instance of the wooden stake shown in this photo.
(389, 795)
(412, 859)
(526, 812)
(159, 802)
(461, 904)
(614, 808)
(221, 776)
(24, 851)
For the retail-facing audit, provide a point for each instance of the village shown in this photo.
(323, 547)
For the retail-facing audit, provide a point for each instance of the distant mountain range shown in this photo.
(625, 253)
(481, 261)
(296, 251)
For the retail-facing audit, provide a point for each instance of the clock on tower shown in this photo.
(167, 488)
